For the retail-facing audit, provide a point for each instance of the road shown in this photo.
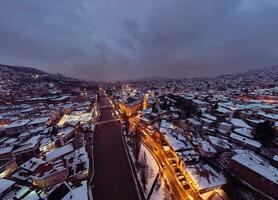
(113, 178)
(168, 171)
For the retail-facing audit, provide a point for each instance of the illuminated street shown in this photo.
(159, 154)
(113, 179)
(139, 100)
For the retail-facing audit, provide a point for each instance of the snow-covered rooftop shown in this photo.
(39, 120)
(7, 149)
(194, 121)
(78, 117)
(207, 147)
(267, 172)
(219, 142)
(174, 143)
(275, 157)
(32, 164)
(246, 140)
(32, 196)
(244, 131)
(240, 123)
(31, 143)
(206, 120)
(18, 123)
(205, 177)
(79, 193)
(222, 110)
(5, 184)
(66, 131)
(210, 117)
(166, 124)
(66, 149)
(200, 102)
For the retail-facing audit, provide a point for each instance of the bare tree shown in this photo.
(136, 146)
(144, 169)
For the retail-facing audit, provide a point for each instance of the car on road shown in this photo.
(170, 159)
(181, 177)
(172, 162)
(184, 183)
(150, 129)
(186, 186)
(166, 148)
(163, 166)
(177, 172)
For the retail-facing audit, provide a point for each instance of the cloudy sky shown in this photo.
(123, 39)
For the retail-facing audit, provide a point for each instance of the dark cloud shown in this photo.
(101, 40)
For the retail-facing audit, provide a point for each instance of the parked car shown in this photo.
(177, 172)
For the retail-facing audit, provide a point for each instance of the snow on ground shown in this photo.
(153, 168)
(152, 171)
(161, 192)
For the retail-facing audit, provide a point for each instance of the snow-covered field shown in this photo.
(160, 191)
(151, 168)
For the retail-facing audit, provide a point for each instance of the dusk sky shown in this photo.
(124, 39)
